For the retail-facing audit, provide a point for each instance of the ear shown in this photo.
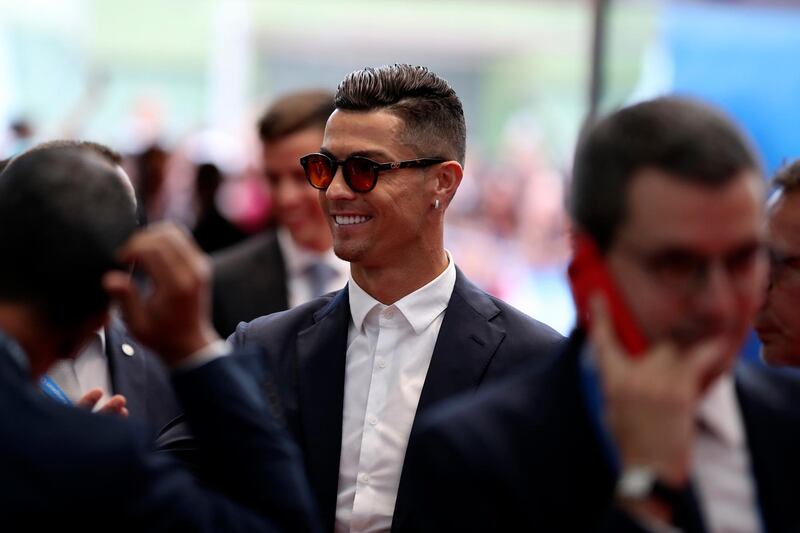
(72, 341)
(448, 178)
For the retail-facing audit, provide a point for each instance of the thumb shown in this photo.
(707, 360)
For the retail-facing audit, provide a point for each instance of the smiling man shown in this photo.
(354, 369)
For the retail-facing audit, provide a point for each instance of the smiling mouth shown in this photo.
(350, 220)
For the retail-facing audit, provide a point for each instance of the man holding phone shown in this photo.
(671, 196)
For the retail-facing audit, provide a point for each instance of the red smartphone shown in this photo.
(588, 275)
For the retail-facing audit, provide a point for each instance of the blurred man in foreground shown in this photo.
(113, 372)
(671, 195)
(778, 321)
(67, 243)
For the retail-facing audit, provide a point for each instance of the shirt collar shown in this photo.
(419, 308)
(100, 337)
(719, 412)
(297, 259)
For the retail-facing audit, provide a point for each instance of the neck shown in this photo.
(390, 283)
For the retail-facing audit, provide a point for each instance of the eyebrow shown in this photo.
(743, 248)
(372, 154)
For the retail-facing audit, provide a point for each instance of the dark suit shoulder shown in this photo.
(253, 249)
(773, 389)
(268, 330)
(520, 454)
(249, 281)
(495, 417)
(496, 310)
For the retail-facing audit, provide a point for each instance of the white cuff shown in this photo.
(203, 356)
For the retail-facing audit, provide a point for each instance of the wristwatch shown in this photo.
(638, 483)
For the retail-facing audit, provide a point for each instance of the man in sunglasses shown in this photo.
(671, 436)
(778, 322)
(354, 369)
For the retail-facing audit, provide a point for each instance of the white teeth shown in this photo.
(346, 220)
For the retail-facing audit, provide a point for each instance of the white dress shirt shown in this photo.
(389, 349)
(721, 469)
(87, 371)
(298, 260)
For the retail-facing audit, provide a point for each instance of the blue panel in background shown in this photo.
(746, 60)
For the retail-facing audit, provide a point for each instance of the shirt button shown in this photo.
(381, 363)
(363, 478)
(372, 420)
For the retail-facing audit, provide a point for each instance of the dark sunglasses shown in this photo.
(360, 173)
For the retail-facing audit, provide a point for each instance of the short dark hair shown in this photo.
(294, 112)
(63, 215)
(106, 152)
(787, 178)
(427, 104)
(687, 139)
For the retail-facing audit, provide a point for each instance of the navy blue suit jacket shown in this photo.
(142, 378)
(62, 467)
(250, 281)
(480, 339)
(524, 456)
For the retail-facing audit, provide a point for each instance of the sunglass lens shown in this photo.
(361, 173)
(318, 171)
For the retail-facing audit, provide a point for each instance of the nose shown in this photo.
(717, 298)
(338, 189)
(287, 193)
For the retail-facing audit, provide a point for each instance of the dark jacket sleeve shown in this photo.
(244, 455)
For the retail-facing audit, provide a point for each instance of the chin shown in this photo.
(350, 252)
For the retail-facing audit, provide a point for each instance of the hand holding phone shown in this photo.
(588, 276)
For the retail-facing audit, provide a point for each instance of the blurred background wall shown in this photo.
(176, 84)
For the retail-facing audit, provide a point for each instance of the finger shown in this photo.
(611, 357)
(707, 360)
(114, 405)
(90, 399)
(122, 288)
(123, 412)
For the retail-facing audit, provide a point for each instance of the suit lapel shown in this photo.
(128, 376)
(466, 343)
(321, 360)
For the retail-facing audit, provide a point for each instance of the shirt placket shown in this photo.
(364, 504)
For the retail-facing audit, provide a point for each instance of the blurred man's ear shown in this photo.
(71, 341)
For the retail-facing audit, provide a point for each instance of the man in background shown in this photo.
(778, 321)
(285, 267)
